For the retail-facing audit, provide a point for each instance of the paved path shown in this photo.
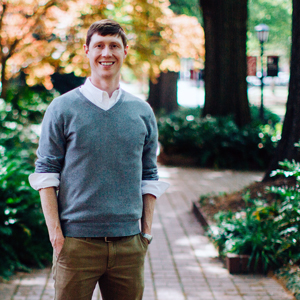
(181, 263)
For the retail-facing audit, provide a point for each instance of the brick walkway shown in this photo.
(181, 263)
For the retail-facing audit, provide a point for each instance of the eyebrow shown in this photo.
(111, 42)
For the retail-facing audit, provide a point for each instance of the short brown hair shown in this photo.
(106, 27)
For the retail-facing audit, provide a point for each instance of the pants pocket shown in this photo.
(144, 242)
(55, 259)
(62, 251)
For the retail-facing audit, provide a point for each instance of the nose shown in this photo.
(106, 51)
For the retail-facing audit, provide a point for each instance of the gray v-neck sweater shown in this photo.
(102, 157)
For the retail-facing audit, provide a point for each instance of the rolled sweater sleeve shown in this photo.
(52, 144)
(149, 151)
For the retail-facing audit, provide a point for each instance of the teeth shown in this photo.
(106, 63)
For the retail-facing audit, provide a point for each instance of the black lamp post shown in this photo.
(262, 31)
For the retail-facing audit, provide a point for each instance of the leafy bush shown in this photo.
(218, 142)
(23, 235)
(268, 232)
(22, 109)
(24, 239)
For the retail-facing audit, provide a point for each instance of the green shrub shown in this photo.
(23, 235)
(218, 142)
(24, 241)
(249, 232)
(269, 232)
(22, 108)
(269, 117)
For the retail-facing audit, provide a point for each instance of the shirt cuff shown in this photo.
(154, 187)
(43, 180)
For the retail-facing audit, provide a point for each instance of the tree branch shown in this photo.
(36, 16)
(4, 7)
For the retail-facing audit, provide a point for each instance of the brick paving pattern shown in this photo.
(181, 263)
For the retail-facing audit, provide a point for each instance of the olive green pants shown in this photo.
(118, 268)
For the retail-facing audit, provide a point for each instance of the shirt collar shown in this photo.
(99, 94)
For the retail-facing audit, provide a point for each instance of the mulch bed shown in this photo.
(212, 204)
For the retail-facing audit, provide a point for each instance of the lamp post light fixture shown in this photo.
(262, 31)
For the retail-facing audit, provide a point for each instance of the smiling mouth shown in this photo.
(106, 63)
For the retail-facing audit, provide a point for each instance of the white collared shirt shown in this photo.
(98, 97)
(101, 99)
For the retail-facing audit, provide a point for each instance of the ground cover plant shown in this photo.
(217, 141)
(290, 276)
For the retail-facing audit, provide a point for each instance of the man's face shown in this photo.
(106, 55)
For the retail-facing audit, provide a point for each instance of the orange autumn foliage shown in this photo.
(42, 37)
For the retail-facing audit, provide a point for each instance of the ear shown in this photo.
(126, 50)
(86, 49)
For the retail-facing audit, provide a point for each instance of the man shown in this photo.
(98, 145)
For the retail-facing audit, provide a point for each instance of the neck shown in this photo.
(108, 86)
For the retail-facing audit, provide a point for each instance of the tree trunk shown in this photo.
(4, 82)
(291, 126)
(154, 95)
(225, 26)
(163, 94)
